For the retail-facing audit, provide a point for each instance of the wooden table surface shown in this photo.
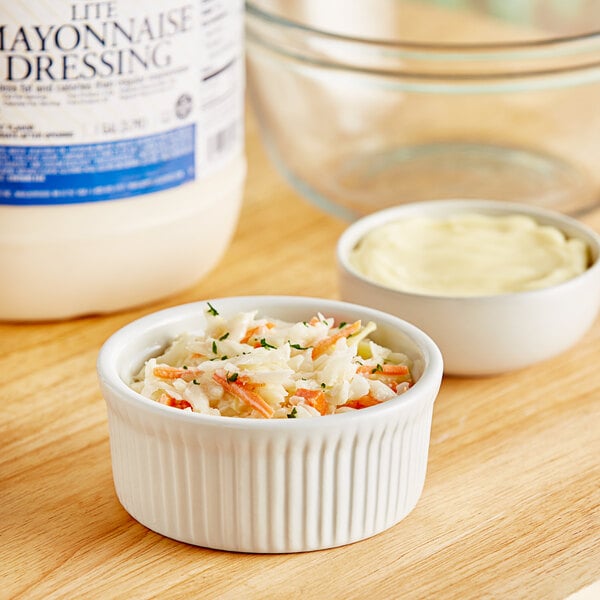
(511, 502)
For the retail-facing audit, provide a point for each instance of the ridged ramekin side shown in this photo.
(269, 490)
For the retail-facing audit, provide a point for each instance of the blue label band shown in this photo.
(41, 175)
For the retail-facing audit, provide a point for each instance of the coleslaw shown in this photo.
(259, 367)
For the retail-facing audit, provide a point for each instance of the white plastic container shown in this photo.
(121, 151)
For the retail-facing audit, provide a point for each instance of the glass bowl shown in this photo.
(367, 105)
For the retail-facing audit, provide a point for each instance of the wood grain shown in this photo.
(511, 506)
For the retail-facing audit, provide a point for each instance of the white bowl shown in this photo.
(484, 335)
(267, 485)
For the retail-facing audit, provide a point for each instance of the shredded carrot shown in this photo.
(383, 370)
(175, 373)
(315, 398)
(245, 381)
(362, 402)
(322, 346)
(240, 390)
(174, 402)
(250, 333)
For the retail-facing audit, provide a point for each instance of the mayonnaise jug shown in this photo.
(121, 150)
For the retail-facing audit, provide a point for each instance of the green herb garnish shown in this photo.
(195, 382)
(298, 346)
(377, 369)
(184, 366)
(323, 386)
(264, 344)
(233, 377)
(214, 347)
(224, 336)
(293, 414)
(342, 324)
(212, 310)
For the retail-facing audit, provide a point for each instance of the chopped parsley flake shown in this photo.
(224, 336)
(377, 369)
(212, 310)
(323, 386)
(264, 344)
(185, 366)
(233, 377)
(342, 324)
(293, 414)
(224, 357)
(214, 347)
(195, 382)
(298, 346)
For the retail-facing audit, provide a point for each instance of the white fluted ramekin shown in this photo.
(255, 485)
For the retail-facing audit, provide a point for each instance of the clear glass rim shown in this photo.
(552, 42)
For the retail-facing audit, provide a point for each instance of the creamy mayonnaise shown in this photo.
(468, 255)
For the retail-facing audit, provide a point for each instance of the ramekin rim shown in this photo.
(359, 228)
(107, 368)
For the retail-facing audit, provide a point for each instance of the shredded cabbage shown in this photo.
(259, 367)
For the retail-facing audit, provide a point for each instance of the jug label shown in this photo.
(112, 99)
